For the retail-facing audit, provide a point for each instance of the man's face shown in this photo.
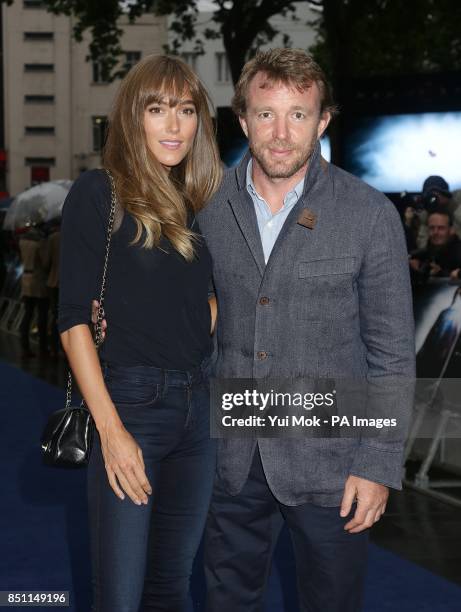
(439, 228)
(283, 125)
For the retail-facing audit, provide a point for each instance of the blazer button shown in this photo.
(264, 300)
(262, 355)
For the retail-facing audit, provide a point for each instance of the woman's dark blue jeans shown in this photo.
(142, 555)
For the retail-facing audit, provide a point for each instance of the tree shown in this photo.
(243, 25)
(355, 37)
(358, 38)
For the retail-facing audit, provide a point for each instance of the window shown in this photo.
(39, 129)
(99, 133)
(131, 59)
(39, 161)
(39, 67)
(38, 35)
(222, 68)
(191, 59)
(39, 174)
(33, 4)
(100, 74)
(38, 99)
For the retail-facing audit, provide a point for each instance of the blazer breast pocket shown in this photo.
(326, 267)
(325, 289)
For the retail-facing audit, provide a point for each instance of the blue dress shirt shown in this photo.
(270, 224)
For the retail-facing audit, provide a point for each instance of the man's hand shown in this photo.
(415, 264)
(454, 274)
(435, 269)
(213, 312)
(371, 503)
(94, 318)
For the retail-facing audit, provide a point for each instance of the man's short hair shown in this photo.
(287, 66)
(441, 211)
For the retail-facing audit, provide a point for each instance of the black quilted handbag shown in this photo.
(68, 437)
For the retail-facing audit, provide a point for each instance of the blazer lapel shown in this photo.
(245, 214)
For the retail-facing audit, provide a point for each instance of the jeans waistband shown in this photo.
(151, 374)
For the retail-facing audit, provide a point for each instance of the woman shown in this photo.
(152, 463)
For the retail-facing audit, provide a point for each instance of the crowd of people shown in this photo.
(432, 224)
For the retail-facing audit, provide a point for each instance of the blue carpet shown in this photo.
(44, 532)
(42, 509)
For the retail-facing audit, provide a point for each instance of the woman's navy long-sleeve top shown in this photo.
(156, 302)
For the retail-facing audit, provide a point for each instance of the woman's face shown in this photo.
(170, 131)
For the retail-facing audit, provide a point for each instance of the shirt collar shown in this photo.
(292, 195)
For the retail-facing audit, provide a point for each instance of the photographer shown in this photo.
(443, 252)
(435, 196)
(436, 193)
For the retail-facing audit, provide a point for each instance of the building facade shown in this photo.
(55, 102)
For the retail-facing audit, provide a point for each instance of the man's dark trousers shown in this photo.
(241, 534)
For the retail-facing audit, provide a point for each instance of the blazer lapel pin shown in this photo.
(307, 218)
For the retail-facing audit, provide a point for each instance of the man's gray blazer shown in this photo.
(339, 305)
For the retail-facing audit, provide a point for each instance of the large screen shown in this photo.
(397, 152)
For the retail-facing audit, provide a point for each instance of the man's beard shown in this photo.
(279, 169)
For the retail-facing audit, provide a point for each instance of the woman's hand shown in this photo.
(124, 464)
(122, 455)
(95, 306)
(94, 319)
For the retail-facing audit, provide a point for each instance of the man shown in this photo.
(311, 278)
(436, 188)
(442, 256)
(435, 195)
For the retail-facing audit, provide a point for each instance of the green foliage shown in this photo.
(355, 37)
(382, 37)
(243, 25)
(101, 20)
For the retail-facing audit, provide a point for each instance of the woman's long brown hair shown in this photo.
(159, 200)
